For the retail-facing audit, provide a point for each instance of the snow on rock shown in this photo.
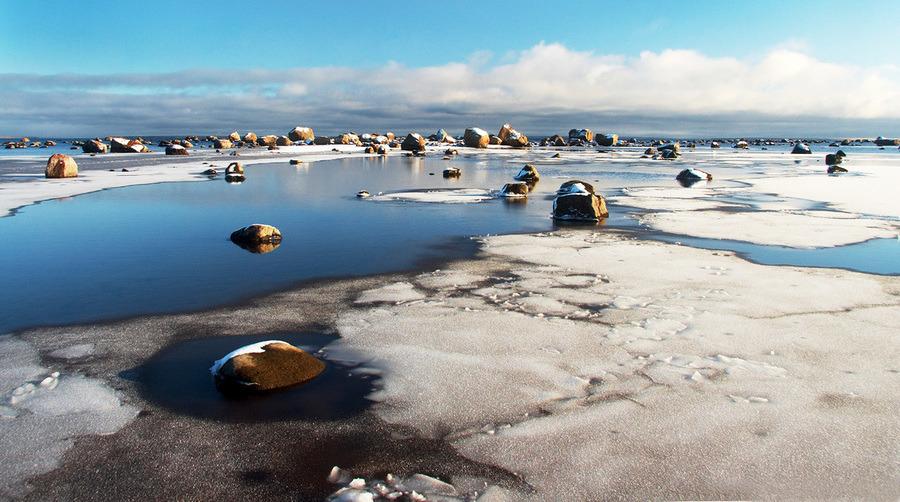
(693, 368)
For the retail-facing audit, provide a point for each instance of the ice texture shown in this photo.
(608, 362)
(44, 412)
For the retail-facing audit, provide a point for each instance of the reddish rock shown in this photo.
(263, 367)
(61, 166)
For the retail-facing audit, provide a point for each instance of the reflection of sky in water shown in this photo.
(166, 247)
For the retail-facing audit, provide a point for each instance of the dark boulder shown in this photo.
(518, 189)
(176, 150)
(585, 135)
(576, 201)
(413, 143)
(527, 173)
(606, 139)
(94, 146)
(833, 159)
(801, 148)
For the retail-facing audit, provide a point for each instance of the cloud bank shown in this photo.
(546, 89)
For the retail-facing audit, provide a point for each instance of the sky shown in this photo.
(705, 69)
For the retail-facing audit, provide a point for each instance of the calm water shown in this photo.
(166, 247)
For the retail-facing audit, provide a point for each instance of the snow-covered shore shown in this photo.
(581, 364)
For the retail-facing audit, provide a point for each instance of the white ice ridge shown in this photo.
(255, 348)
(444, 196)
(597, 363)
(42, 411)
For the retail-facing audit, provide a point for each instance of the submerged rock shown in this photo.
(476, 138)
(836, 169)
(264, 366)
(61, 166)
(257, 238)
(452, 172)
(882, 141)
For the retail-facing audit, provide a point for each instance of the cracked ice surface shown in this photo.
(43, 413)
(621, 368)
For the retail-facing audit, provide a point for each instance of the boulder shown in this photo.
(606, 139)
(234, 168)
(176, 150)
(557, 140)
(61, 166)
(442, 137)
(348, 139)
(675, 147)
(476, 138)
(576, 201)
(125, 145)
(495, 140)
(527, 173)
(235, 136)
(668, 154)
(742, 144)
(801, 148)
(836, 169)
(511, 137)
(452, 172)
(249, 138)
(94, 146)
(269, 140)
(585, 135)
(880, 141)
(714, 144)
(413, 143)
(264, 366)
(301, 134)
(518, 189)
(833, 159)
(691, 174)
(323, 140)
(223, 143)
(283, 141)
(257, 238)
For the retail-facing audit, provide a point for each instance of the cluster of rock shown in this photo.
(581, 138)
(416, 488)
(663, 151)
(526, 179)
(27, 143)
(263, 367)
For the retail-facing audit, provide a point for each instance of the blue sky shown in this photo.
(180, 67)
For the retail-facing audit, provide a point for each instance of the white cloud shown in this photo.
(547, 82)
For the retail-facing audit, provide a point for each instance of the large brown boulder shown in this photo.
(61, 166)
(476, 138)
(555, 140)
(283, 141)
(235, 136)
(125, 145)
(94, 146)
(348, 139)
(413, 143)
(176, 150)
(269, 140)
(249, 138)
(511, 137)
(223, 143)
(323, 140)
(585, 135)
(264, 366)
(301, 134)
